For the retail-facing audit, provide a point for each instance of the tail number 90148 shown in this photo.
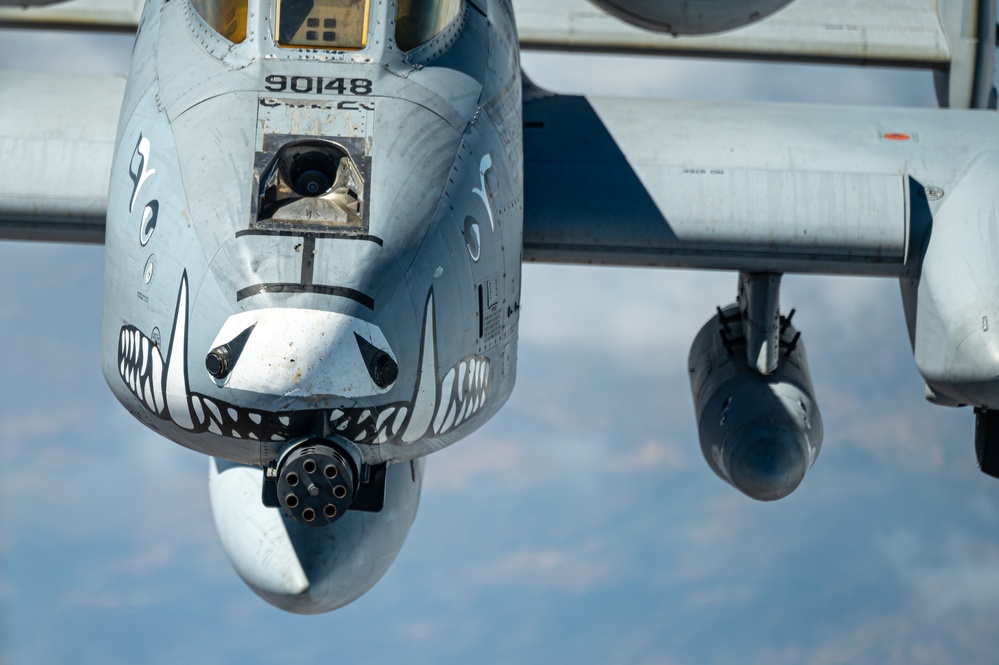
(317, 84)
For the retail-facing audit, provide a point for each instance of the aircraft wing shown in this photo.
(737, 185)
(56, 138)
(854, 31)
(60, 141)
(954, 37)
(724, 185)
(105, 15)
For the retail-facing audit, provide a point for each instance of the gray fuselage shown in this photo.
(386, 314)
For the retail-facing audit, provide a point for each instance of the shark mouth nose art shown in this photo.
(341, 356)
(293, 352)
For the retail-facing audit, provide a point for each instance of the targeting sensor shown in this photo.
(312, 173)
(314, 182)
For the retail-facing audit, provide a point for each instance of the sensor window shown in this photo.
(329, 24)
(316, 183)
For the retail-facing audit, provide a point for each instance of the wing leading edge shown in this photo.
(57, 140)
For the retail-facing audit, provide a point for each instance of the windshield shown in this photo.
(330, 24)
(419, 21)
(227, 17)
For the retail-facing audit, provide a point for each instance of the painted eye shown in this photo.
(381, 366)
(220, 360)
(384, 371)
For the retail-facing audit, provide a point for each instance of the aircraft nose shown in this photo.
(254, 536)
(307, 352)
(258, 541)
(308, 570)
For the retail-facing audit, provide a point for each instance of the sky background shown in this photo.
(581, 525)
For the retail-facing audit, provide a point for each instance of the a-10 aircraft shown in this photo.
(315, 214)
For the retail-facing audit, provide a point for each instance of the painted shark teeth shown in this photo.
(161, 386)
(467, 388)
(141, 368)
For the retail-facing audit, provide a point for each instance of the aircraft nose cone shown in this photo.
(301, 352)
(258, 543)
(302, 569)
(768, 464)
(254, 536)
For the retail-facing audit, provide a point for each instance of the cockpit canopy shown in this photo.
(227, 17)
(419, 21)
(339, 25)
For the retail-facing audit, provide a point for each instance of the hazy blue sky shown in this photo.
(581, 525)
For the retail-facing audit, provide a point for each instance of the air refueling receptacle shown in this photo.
(759, 432)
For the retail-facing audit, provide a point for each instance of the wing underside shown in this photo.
(739, 186)
(955, 38)
(914, 32)
(99, 15)
(57, 139)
